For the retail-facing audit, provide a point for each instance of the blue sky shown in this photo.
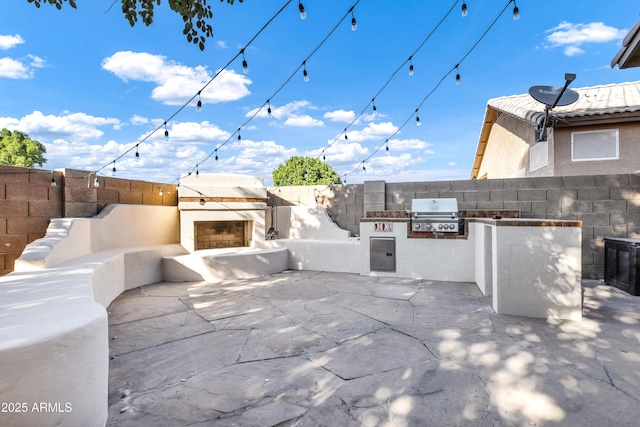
(90, 87)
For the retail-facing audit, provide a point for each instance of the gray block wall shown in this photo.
(608, 205)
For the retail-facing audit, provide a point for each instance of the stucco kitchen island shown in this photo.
(530, 267)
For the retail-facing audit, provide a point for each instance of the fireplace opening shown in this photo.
(221, 234)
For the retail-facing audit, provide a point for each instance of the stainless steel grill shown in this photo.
(435, 215)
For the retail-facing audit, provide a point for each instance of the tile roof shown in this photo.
(594, 100)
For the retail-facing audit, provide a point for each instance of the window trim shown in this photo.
(596, 159)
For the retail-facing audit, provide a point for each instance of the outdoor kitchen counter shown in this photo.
(530, 267)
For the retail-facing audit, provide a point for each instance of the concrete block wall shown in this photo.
(608, 205)
(28, 202)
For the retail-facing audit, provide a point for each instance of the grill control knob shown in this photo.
(416, 226)
(440, 226)
(428, 226)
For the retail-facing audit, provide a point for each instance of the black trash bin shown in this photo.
(621, 264)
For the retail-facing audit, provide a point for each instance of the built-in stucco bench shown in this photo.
(54, 343)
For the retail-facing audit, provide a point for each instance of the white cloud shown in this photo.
(203, 132)
(372, 131)
(7, 41)
(407, 144)
(340, 116)
(14, 69)
(303, 121)
(572, 36)
(176, 83)
(280, 113)
(138, 120)
(290, 114)
(341, 152)
(72, 126)
(221, 44)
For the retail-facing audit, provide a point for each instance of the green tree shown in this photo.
(17, 149)
(299, 170)
(195, 14)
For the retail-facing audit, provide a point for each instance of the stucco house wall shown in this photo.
(629, 151)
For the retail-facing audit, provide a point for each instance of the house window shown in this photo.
(594, 145)
(538, 156)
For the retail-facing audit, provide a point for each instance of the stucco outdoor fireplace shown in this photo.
(221, 211)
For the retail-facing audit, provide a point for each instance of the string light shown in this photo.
(53, 180)
(364, 110)
(345, 134)
(239, 136)
(457, 77)
(166, 132)
(199, 104)
(113, 171)
(220, 71)
(465, 12)
(516, 11)
(303, 13)
(455, 68)
(387, 143)
(364, 168)
(418, 122)
(96, 183)
(245, 66)
(375, 110)
(305, 75)
(268, 108)
(137, 154)
(410, 67)
(216, 154)
(160, 193)
(354, 24)
(197, 171)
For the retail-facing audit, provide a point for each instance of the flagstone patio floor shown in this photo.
(308, 348)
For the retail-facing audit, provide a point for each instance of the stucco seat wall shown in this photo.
(53, 321)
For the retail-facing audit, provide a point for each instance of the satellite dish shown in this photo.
(548, 95)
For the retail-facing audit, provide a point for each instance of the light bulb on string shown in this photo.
(166, 132)
(199, 104)
(160, 193)
(113, 171)
(303, 13)
(418, 122)
(457, 77)
(345, 134)
(245, 66)
(354, 24)
(364, 168)
(96, 183)
(137, 154)
(465, 12)
(375, 110)
(197, 171)
(516, 11)
(324, 158)
(268, 108)
(53, 180)
(410, 67)
(305, 75)
(216, 154)
(239, 136)
(387, 146)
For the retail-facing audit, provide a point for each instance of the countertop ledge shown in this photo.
(527, 222)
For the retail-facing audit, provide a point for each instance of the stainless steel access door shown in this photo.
(382, 254)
